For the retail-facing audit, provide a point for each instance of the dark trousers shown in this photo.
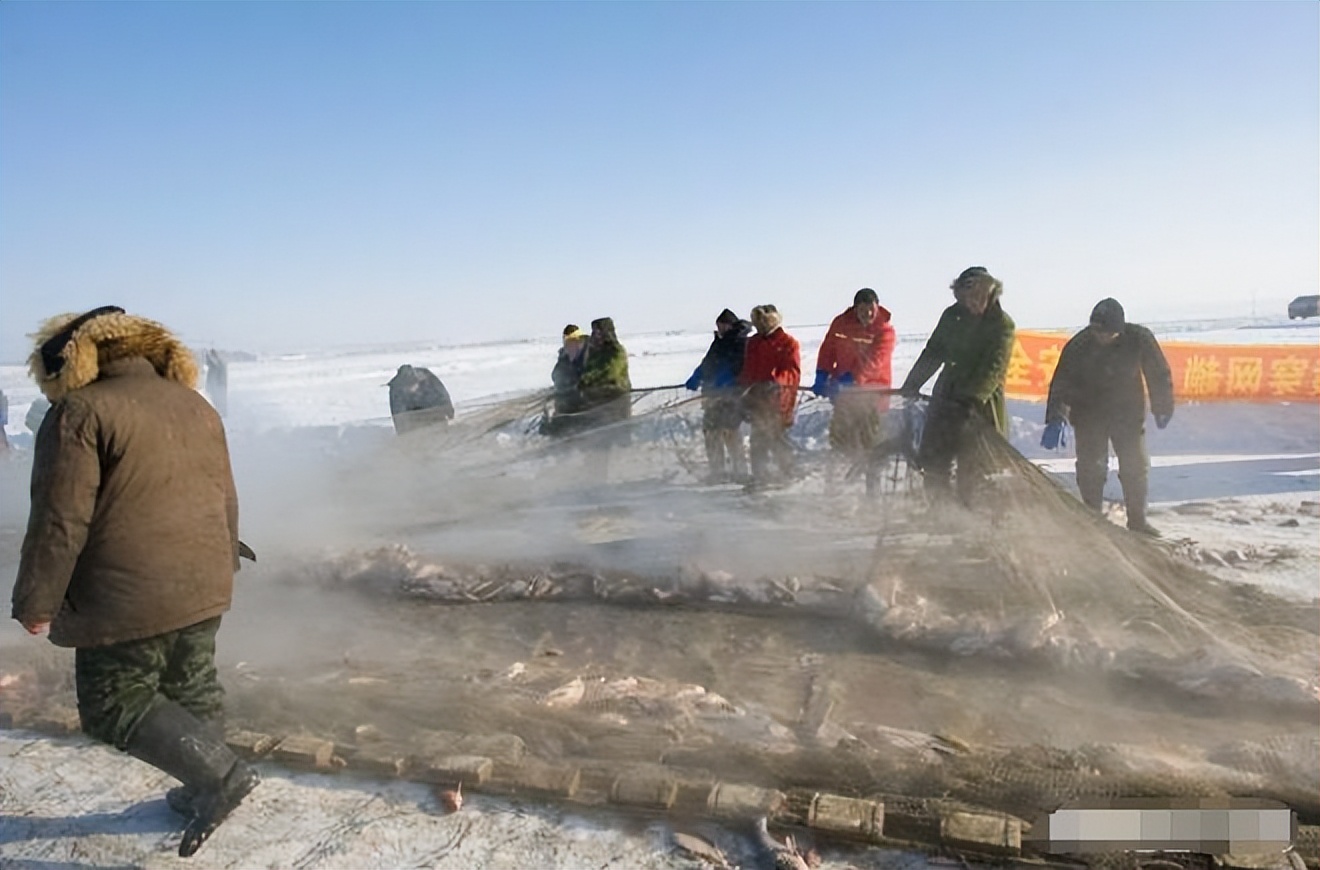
(119, 684)
(953, 434)
(721, 420)
(725, 455)
(1129, 440)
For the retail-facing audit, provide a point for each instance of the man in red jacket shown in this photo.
(771, 373)
(853, 370)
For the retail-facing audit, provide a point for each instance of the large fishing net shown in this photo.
(563, 601)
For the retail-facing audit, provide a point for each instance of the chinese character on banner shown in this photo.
(1202, 377)
(1018, 377)
(1244, 375)
(1287, 375)
(1048, 361)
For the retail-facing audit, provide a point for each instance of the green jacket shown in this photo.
(1103, 384)
(605, 379)
(974, 354)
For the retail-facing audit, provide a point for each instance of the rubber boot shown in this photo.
(1134, 497)
(1093, 496)
(171, 739)
(181, 797)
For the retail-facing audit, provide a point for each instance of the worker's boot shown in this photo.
(180, 798)
(1092, 490)
(1134, 495)
(171, 739)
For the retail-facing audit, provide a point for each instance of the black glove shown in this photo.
(1162, 420)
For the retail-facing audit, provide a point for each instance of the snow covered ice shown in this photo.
(322, 478)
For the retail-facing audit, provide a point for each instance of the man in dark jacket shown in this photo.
(721, 405)
(131, 548)
(971, 346)
(418, 399)
(1100, 387)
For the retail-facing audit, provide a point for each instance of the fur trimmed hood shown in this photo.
(977, 277)
(767, 318)
(102, 339)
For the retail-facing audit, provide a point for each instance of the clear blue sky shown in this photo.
(290, 175)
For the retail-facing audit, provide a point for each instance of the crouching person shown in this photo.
(131, 549)
(418, 399)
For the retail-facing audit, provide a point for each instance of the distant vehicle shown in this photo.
(1304, 306)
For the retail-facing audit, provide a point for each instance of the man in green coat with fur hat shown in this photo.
(970, 347)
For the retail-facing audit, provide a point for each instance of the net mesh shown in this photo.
(567, 602)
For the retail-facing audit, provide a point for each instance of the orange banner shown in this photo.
(1201, 372)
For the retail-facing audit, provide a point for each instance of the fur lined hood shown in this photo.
(102, 339)
(767, 318)
(978, 276)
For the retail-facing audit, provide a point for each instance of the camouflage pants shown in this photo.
(118, 684)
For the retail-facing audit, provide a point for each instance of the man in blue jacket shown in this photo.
(717, 378)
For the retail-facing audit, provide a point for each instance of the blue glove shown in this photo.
(822, 385)
(845, 380)
(694, 382)
(725, 378)
(1053, 437)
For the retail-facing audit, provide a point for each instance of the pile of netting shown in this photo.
(1021, 569)
(1012, 650)
(1018, 569)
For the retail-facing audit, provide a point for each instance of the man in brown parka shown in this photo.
(131, 548)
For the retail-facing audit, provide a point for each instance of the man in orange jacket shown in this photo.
(771, 373)
(854, 371)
